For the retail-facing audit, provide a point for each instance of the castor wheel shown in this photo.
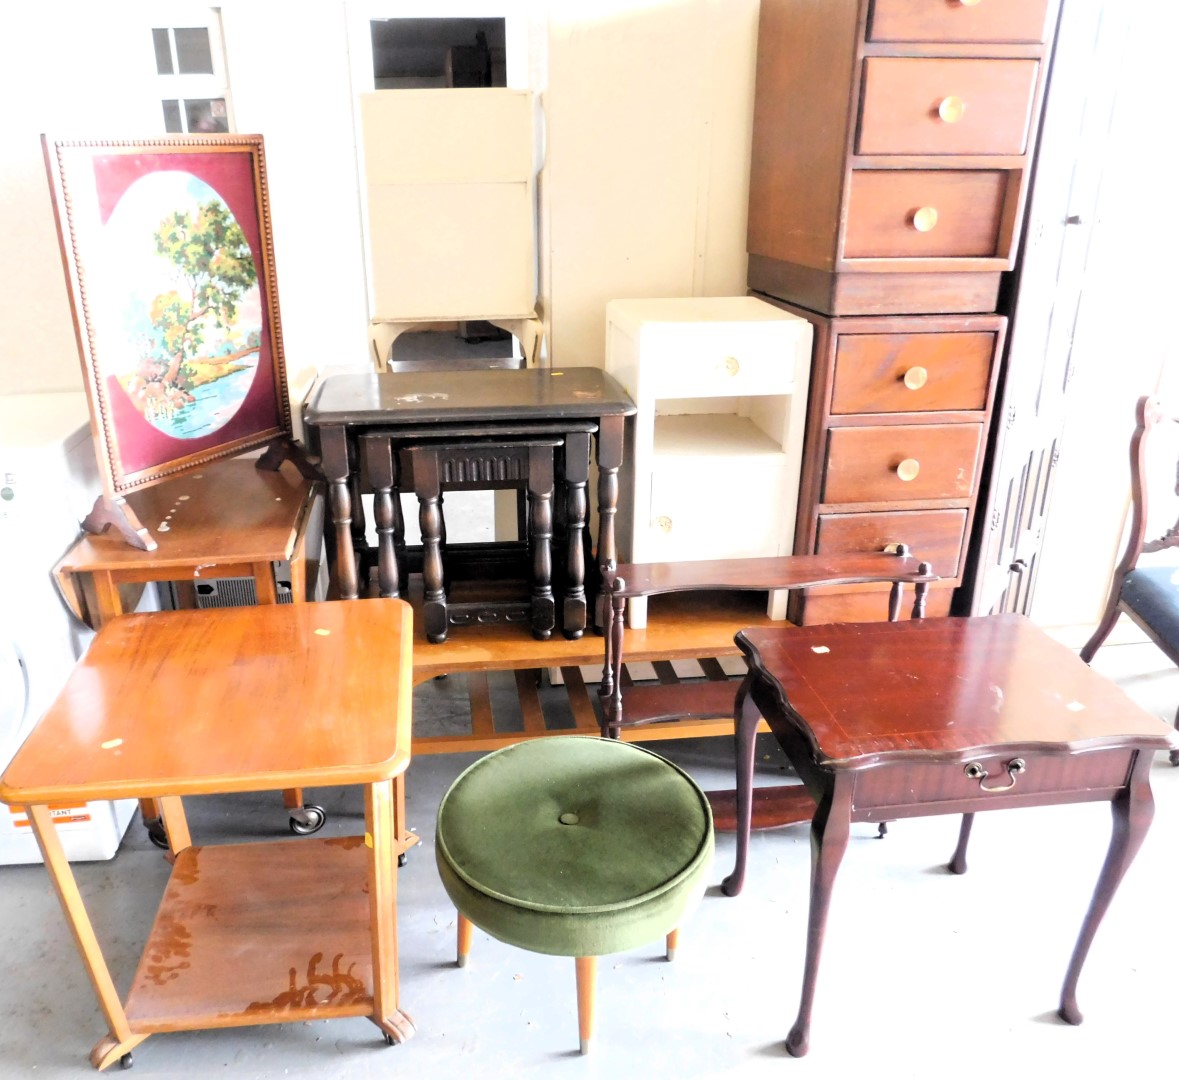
(403, 858)
(389, 1040)
(308, 820)
(157, 834)
(126, 1061)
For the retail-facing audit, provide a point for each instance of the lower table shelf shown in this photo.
(516, 687)
(258, 933)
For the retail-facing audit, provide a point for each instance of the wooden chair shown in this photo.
(628, 706)
(1149, 594)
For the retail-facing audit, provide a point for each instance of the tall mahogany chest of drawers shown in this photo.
(893, 141)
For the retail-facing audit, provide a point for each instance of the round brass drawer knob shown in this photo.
(925, 218)
(951, 109)
(916, 378)
(663, 523)
(732, 365)
(908, 469)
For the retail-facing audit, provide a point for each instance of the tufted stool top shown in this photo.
(574, 845)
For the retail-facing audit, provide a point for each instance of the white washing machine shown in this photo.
(48, 483)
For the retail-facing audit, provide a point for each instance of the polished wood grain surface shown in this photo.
(865, 464)
(248, 698)
(991, 20)
(918, 105)
(311, 962)
(934, 536)
(944, 688)
(227, 511)
(937, 717)
(969, 204)
(871, 370)
(783, 572)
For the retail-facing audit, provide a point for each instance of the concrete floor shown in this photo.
(924, 974)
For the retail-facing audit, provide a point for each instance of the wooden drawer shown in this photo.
(946, 106)
(912, 372)
(888, 213)
(719, 359)
(935, 536)
(862, 603)
(946, 20)
(867, 464)
(948, 781)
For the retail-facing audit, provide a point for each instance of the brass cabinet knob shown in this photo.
(664, 523)
(732, 365)
(925, 218)
(951, 108)
(916, 378)
(908, 469)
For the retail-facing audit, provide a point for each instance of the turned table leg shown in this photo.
(334, 449)
(380, 459)
(540, 537)
(576, 507)
(428, 488)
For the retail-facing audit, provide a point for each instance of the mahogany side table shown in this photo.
(254, 699)
(228, 519)
(941, 716)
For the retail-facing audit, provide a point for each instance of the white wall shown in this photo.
(650, 110)
(61, 71)
(1120, 348)
(83, 69)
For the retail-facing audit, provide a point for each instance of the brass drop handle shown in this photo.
(925, 218)
(916, 377)
(908, 469)
(732, 365)
(664, 523)
(951, 109)
(976, 771)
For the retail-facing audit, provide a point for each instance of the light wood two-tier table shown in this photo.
(238, 699)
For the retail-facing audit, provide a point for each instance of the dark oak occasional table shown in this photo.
(894, 720)
(238, 699)
(410, 409)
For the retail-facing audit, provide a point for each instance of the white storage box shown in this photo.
(88, 831)
(48, 482)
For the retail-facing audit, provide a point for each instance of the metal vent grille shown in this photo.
(235, 592)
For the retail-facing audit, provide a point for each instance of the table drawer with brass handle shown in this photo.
(925, 213)
(716, 363)
(992, 777)
(916, 105)
(1000, 21)
(925, 372)
(934, 536)
(906, 463)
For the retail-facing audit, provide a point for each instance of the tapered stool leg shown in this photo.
(465, 930)
(673, 939)
(587, 973)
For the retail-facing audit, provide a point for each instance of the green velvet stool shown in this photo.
(574, 846)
